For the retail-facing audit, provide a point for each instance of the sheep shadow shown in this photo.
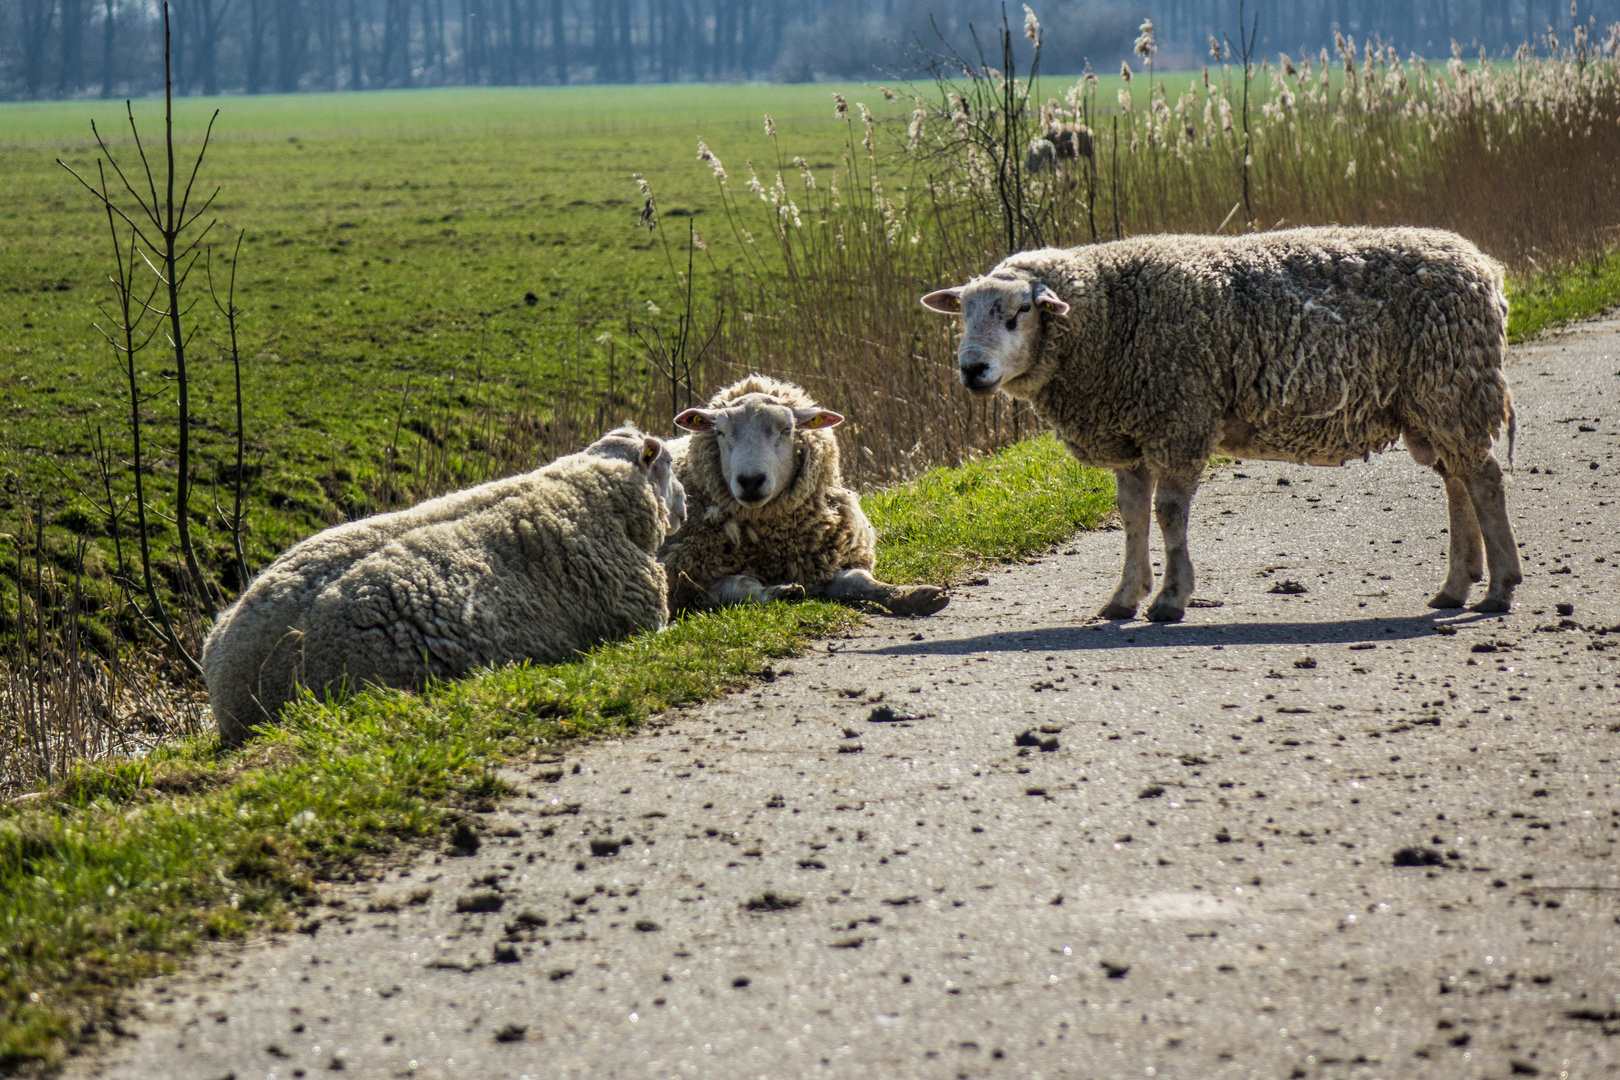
(1100, 636)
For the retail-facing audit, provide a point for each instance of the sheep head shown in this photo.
(755, 437)
(1000, 328)
(653, 460)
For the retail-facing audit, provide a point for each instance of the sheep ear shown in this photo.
(1047, 300)
(695, 420)
(813, 419)
(650, 449)
(948, 301)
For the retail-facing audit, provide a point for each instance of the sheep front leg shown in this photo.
(1489, 495)
(746, 589)
(1133, 493)
(1173, 504)
(1467, 547)
(857, 584)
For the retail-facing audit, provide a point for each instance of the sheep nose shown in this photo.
(973, 373)
(750, 486)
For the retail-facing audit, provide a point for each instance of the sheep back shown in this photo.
(1315, 345)
(805, 535)
(534, 567)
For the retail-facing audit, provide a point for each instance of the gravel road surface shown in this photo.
(1011, 841)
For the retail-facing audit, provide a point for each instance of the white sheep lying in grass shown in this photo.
(1308, 345)
(534, 567)
(771, 518)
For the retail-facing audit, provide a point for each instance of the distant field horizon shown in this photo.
(495, 108)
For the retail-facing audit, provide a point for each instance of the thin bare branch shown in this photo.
(202, 151)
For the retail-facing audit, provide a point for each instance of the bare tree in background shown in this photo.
(108, 68)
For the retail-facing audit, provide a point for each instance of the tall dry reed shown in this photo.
(65, 697)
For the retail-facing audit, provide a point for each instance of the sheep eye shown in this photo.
(1023, 309)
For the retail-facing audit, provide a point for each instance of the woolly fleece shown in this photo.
(1307, 345)
(1312, 345)
(533, 567)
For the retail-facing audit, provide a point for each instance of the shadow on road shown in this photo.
(1114, 635)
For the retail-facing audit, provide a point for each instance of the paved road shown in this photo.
(1192, 874)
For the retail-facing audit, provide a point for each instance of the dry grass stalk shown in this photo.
(61, 701)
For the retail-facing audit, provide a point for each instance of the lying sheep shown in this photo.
(1062, 142)
(1308, 345)
(533, 567)
(771, 519)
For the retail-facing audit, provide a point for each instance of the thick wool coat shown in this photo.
(533, 567)
(809, 532)
(1311, 345)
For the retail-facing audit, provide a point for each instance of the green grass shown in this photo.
(1556, 297)
(119, 870)
(391, 240)
(948, 522)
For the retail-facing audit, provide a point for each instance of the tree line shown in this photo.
(113, 48)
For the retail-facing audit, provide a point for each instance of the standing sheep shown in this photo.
(1305, 345)
(533, 567)
(771, 518)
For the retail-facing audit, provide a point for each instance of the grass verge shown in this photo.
(120, 869)
(950, 521)
(1570, 293)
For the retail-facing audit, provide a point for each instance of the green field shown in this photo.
(391, 239)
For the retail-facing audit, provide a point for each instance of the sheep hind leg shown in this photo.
(1467, 547)
(858, 585)
(747, 589)
(1489, 495)
(1133, 493)
(1172, 504)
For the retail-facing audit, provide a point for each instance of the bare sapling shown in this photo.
(990, 112)
(677, 356)
(1246, 41)
(232, 314)
(160, 230)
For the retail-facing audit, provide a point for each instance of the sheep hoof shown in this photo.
(923, 600)
(1445, 600)
(1163, 611)
(1113, 610)
(784, 592)
(1493, 604)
